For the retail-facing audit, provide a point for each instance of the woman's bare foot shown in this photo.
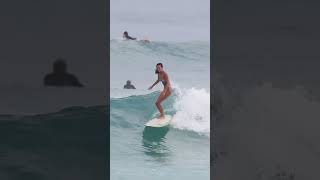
(160, 118)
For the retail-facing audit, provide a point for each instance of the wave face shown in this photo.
(72, 142)
(189, 110)
(179, 151)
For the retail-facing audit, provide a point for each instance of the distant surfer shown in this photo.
(129, 85)
(126, 36)
(167, 90)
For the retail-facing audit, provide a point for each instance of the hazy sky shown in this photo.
(165, 20)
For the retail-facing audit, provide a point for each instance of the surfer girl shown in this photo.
(167, 90)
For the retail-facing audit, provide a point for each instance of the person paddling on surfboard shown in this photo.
(126, 36)
(167, 90)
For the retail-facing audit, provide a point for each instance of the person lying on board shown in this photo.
(126, 36)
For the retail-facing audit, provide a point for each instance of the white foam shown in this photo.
(274, 129)
(193, 110)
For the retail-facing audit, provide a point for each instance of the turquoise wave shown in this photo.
(135, 111)
(135, 148)
(38, 146)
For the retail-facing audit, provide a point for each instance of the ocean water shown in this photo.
(266, 91)
(179, 151)
(266, 117)
(67, 144)
(179, 32)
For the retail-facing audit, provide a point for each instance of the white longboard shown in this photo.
(159, 123)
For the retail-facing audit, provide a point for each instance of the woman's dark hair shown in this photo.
(160, 64)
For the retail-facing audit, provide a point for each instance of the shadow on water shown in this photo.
(154, 142)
